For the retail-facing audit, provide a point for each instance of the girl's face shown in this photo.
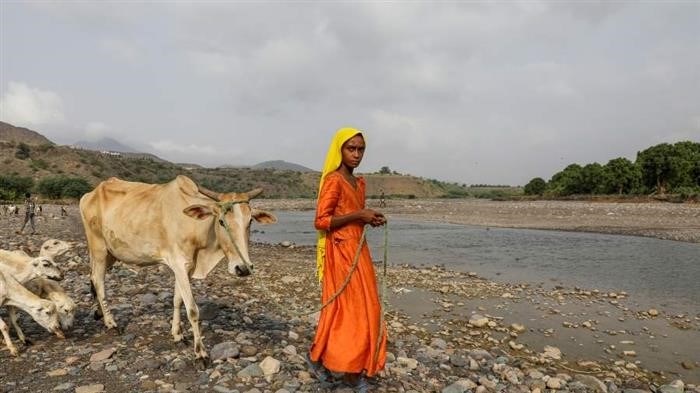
(352, 151)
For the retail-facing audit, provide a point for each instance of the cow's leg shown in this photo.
(175, 330)
(6, 336)
(12, 311)
(100, 260)
(182, 284)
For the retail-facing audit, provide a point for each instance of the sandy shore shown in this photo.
(449, 331)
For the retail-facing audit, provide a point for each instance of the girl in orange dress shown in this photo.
(351, 336)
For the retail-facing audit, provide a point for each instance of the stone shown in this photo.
(148, 299)
(103, 355)
(592, 383)
(224, 350)
(461, 386)
(270, 366)
(551, 352)
(252, 370)
(518, 328)
(653, 312)
(64, 386)
(554, 383)
(94, 388)
(478, 320)
(59, 372)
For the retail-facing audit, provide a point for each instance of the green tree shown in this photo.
(14, 187)
(621, 176)
(384, 170)
(56, 187)
(535, 186)
(592, 179)
(566, 182)
(667, 166)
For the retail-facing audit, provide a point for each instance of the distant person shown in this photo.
(29, 210)
(63, 211)
(351, 336)
(382, 201)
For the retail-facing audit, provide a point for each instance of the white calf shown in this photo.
(24, 268)
(12, 293)
(50, 290)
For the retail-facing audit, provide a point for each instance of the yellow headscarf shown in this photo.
(334, 158)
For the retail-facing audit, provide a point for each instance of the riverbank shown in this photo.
(449, 331)
(662, 220)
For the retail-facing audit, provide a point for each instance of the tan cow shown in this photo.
(177, 224)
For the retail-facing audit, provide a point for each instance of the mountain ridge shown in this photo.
(42, 158)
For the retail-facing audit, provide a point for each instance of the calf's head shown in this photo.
(46, 267)
(46, 315)
(232, 216)
(54, 247)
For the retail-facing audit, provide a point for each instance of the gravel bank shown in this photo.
(449, 331)
(670, 221)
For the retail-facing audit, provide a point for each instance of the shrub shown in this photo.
(14, 187)
(56, 187)
(23, 151)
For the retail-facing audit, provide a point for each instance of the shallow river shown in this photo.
(658, 273)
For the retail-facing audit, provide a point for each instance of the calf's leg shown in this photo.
(6, 336)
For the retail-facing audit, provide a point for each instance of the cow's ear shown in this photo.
(263, 217)
(199, 212)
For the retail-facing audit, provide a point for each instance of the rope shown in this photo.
(226, 206)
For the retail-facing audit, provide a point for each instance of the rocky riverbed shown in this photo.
(449, 331)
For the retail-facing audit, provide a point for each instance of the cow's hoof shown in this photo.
(202, 363)
(27, 342)
(97, 314)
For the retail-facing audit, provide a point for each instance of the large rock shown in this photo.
(592, 383)
(224, 350)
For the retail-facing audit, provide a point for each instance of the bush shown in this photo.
(14, 187)
(57, 187)
(23, 151)
(687, 192)
(536, 186)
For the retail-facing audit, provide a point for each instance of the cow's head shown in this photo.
(232, 218)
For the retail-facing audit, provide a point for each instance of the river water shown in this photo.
(657, 273)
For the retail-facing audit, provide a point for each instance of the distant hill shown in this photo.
(279, 179)
(10, 133)
(282, 165)
(105, 144)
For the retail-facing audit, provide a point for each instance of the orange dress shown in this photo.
(348, 337)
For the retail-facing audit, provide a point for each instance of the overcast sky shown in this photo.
(472, 92)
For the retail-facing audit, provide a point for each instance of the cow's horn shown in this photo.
(252, 194)
(211, 194)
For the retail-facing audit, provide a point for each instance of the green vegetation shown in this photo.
(536, 186)
(14, 187)
(23, 151)
(56, 187)
(661, 169)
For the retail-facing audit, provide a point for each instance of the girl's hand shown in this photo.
(372, 217)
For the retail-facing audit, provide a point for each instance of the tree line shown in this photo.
(660, 169)
(14, 187)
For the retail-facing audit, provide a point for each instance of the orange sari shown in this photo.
(348, 333)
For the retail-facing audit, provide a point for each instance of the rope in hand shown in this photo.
(345, 283)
